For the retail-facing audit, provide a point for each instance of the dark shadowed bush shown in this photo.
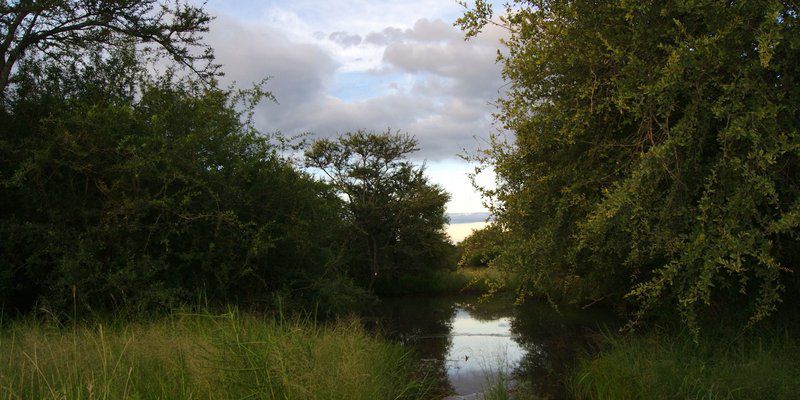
(120, 193)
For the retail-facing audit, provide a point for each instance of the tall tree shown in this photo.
(397, 214)
(655, 152)
(62, 30)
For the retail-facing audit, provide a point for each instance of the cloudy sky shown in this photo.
(337, 66)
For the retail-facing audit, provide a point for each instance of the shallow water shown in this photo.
(466, 343)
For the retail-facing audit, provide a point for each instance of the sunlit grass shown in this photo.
(204, 357)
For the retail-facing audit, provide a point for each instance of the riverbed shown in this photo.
(469, 345)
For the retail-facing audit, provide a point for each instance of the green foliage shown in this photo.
(71, 31)
(437, 281)
(118, 193)
(396, 215)
(479, 281)
(481, 247)
(120, 189)
(200, 356)
(654, 154)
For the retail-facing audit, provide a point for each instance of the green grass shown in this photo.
(497, 386)
(659, 366)
(500, 385)
(204, 357)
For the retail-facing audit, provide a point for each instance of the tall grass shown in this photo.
(500, 385)
(661, 366)
(204, 357)
(497, 386)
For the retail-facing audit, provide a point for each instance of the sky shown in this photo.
(339, 66)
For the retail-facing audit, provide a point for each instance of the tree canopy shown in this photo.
(654, 155)
(397, 215)
(61, 31)
(114, 200)
(481, 247)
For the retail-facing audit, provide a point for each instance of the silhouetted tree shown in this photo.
(62, 30)
(395, 211)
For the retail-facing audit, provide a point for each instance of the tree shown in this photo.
(155, 194)
(654, 153)
(481, 247)
(60, 31)
(394, 211)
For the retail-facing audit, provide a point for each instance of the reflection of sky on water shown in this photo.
(478, 348)
(534, 343)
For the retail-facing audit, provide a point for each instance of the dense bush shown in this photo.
(655, 153)
(481, 247)
(122, 193)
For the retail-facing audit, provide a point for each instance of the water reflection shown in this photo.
(479, 347)
(464, 342)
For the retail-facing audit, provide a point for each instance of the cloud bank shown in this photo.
(423, 79)
(465, 218)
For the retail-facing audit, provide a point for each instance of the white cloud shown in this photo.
(345, 39)
(299, 71)
(334, 69)
(385, 36)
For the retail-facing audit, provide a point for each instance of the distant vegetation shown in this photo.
(481, 247)
(474, 280)
(394, 215)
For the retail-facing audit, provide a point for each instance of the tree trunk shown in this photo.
(5, 72)
(374, 255)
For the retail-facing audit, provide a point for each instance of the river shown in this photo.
(467, 344)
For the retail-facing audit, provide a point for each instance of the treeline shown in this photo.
(653, 156)
(125, 188)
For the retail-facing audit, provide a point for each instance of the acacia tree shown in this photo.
(395, 212)
(655, 152)
(61, 30)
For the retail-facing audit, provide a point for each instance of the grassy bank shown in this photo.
(203, 357)
(660, 366)
(462, 280)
